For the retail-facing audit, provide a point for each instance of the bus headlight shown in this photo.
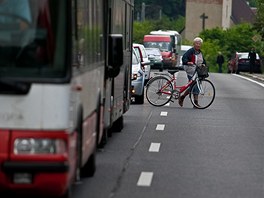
(39, 146)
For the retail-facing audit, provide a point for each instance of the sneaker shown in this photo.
(181, 98)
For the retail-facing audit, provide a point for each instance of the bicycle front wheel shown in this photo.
(159, 91)
(202, 94)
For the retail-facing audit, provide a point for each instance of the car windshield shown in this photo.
(134, 59)
(144, 53)
(245, 56)
(163, 46)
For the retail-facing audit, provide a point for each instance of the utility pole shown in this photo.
(203, 17)
(143, 7)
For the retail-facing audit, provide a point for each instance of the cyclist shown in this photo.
(192, 57)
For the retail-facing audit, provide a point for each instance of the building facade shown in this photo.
(208, 14)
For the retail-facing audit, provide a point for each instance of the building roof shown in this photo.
(241, 12)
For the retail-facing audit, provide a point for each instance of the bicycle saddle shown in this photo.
(172, 71)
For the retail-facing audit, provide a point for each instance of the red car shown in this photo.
(232, 64)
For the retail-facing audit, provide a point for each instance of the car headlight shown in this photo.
(137, 75)
(39, 146)
(134, 76)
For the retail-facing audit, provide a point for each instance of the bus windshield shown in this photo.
(163, 46)
(32, 39)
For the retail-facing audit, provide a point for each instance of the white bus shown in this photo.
(176, 44)
(65, 70)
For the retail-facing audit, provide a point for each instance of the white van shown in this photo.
(184, 49)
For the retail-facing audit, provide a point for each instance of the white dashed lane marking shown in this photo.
(145, 179)
(160, 127)
(163, 113)
(154, 147)
(168, 104)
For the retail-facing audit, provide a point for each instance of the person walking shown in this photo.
(252, 59)
(190, 60)
(220, 60)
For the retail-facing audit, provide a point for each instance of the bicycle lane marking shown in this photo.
(261, 84)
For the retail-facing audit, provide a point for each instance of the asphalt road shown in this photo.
(181, 152)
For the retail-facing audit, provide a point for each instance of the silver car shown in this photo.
(155, 57)
(138, 79)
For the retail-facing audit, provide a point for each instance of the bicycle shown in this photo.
(162, 89)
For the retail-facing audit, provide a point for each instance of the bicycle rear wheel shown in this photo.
(159, 91)
(205, 94)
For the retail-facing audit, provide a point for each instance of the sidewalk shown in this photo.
(256, 77)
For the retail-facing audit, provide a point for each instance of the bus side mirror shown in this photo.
(115, 54)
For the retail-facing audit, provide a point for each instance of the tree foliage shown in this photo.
(143, 28)
(239, 38)
(170, 8)
(259, 24)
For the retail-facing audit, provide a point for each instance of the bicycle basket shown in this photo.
(202, 71)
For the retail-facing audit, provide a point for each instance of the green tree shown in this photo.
(143, 28)
(238, 38)
(170, 8)
(259, 24)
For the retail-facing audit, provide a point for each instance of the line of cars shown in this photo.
(143, 60)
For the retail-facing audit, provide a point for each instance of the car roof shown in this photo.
(137, 45)
(245, 55)
(164, 32)
(186, 47)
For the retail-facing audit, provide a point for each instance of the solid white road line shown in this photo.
(145, 179)
(160, 127)
(168, 104)
(154, 147)
(163, 113)
(259, 83)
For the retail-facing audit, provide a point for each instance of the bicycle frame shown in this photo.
(182, 88)
(163, 89)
